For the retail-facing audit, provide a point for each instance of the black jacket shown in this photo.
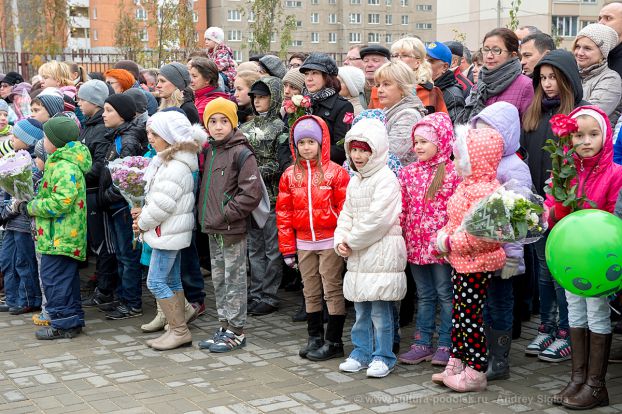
(94, 136)
(614, 59)
(452, 94)
(332, 110)
(538, 160)
(189, 108)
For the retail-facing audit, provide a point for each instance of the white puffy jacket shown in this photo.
(168, 215)
(370, 222)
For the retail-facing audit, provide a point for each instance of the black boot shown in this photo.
(499, 343)
(315, 328)
(333, 347)
(301, 314)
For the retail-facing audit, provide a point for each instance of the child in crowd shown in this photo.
(230, 191)
(262, 133)
(59, 210)
(18, 263)
(476, 157)
(6, 144)
(427, 184)
(220, 54)
(45, 106)
(590, 326)
(368, 228)
(311, 195)
(293, 83)
(167, 219)
(242, 85)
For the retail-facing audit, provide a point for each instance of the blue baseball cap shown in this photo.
(439, 51)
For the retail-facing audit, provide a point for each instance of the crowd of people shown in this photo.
(365, 173)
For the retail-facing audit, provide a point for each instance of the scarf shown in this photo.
(550, 103)
(320, 95)
(491, 83)
(5, 131)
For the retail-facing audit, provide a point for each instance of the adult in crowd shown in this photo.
(602, 86)
(132, 67)
(532, 49)
(411, 51)
(173, 89)
(403, 109)
(467, 63)
(457, 51)
(439, 59)
(296, 60)
(204, 82)
(8, 82)
(524, 31)
(353, 57)
(373, 57)
(323, 86)
(119, 79)
(611, 15)
(151, 79)
(352, 86)
(478, 62)
(273, 66)
(501, 77)
(220, 54)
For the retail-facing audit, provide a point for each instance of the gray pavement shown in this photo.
(110, 369)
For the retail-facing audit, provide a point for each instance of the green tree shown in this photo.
(268, 15)
(514, 8)
(46, 27)
(127, 32)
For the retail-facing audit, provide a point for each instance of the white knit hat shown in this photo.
(354, 78)
(215, 33)
(605, 37)
(174, 127)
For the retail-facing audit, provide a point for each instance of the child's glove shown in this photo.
(511, 267)
(443, 244)
(291, 262)
(19, 207)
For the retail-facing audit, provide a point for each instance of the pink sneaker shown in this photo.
(454, 367)
(468, 380)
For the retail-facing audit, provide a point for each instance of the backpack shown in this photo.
(260, 214)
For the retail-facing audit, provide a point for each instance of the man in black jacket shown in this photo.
(611, 15)
(440, 58)
(91, 97)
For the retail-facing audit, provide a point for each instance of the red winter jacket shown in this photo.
(307, 208)
(204, 96)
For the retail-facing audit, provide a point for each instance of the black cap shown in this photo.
(12, 78)
(456, 47)
(259, 88)
(321, 62)
(375, 50)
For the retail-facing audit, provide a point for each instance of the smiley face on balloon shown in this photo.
(604, 287)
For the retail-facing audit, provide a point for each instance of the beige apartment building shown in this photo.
(332, 26)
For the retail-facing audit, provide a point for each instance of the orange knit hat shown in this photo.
(125, 78)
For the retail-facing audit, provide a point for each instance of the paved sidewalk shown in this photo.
(110, 369)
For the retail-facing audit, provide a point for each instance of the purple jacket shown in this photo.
(519, 94)
(503, 117)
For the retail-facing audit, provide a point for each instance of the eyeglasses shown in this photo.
(494, 50)
(402, 56)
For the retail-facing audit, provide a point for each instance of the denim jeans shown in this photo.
(552, 295)
(191, 276)
(433, 286)
(266, 262)
(592, 313)
(19, 266)
(499, 309)
(61, 282)
(164, 277)
(129, 290)
(372, 332)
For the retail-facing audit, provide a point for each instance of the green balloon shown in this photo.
(584, 253)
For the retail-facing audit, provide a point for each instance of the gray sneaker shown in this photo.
(122, 311)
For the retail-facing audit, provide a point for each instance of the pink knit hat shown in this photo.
(427, 132)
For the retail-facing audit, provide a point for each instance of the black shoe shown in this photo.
(49, 333)
(25, 309)
(313, 343)
(122, 311)
(97, 299)
(328, 351)
(5, 308)
(109, 307)
(261, 309)
(294, 286)
(396, 348)
(301, 314)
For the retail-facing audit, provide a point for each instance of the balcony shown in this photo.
(77, 43)
(78, 3)
(80, 22)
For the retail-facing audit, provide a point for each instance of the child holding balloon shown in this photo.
(600, 180)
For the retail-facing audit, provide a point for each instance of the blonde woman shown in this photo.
(395, 82)
(411, 51)
(173, 89)
(58, 75)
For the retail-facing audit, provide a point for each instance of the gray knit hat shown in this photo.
(273, 65)
(605, 37)
(94, 91)
(295, 77)
(40, 151)
(177, 74)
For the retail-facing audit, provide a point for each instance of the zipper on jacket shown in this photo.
(310, 202)
(207, 186)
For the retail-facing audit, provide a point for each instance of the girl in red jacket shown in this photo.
(311, 194)
(590, 327)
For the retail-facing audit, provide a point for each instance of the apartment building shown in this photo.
(332, 26)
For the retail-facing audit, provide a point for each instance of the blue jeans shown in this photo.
(164, 278)
(552, 295)
(129, 290)
(433, 286)
(61, 282)
(19, 266)
(499, 309)
(372, 332)
(191, 276)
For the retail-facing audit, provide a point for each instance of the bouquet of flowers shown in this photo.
(16, 175)
(128, 176)
(296, 107)
(511, 214)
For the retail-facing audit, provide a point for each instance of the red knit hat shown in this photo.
(125, 78)
(362, 145)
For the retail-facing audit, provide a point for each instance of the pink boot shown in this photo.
(468, 380)
(454, 367)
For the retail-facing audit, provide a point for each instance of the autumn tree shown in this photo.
(127, 32)
(44, 25)
(268, 15)
(185, 25)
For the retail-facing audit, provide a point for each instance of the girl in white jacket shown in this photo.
(369, 234)
(167, 219)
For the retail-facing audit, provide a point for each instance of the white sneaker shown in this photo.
(351, 365)
(378, 369)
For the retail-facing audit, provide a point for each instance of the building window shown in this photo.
(315, 18)
(405, 20)
(424, 7)
(293, 4)
(332, 37)
(315, 37)
(389, 38)
(373, 18)
(373, 38)
(423, 26)
(589, 1)
(586, 22)
(251, 17)
(404, 3)
(355, 18)
(94, 32)
(388, 2)
(298, 23)
(144, 35)
(297, 43)
(237, 55)
(373, 2)
(332, 1)
(272, 37)
(388, 19)
(315, 1)
(355, 1)
(234, 16)
(94, 13)
(234, 35)
(332, 18)
(355, 37)
(565, 26)
(195, 16)
(141, 14)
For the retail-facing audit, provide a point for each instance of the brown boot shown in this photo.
(593, 393)
(178, 335)
(580, 341)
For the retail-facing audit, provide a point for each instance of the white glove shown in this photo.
(511, 267)
(441, 242)
(291, 262)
